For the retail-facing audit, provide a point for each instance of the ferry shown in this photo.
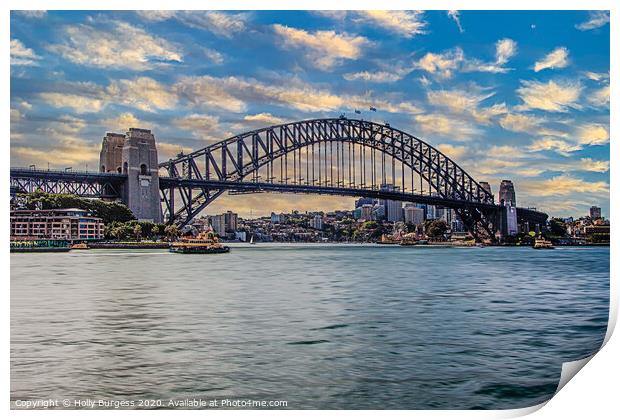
(40, 245)
(387, 240)
(541, 243)
(81, 245)
(204, 243)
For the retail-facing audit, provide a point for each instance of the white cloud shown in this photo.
(556, 59)
(205, 126)
(264, 118)
(592, 134)
(233, 94)
(156, 15)
(466, 103)
(34, 14)
(446, 127)
(121, 122)
(588, 164)
(455, 153)
(443, 64)
(600, 97)
(375, 76)
(504, 50)
(404, 23)
(551, 96)
(563, 185)
(142, 93)
(455, 15)
(78, 102)
(213, 55)
(520, 122)
(596, 20)
(324, 49)
(565, 143)
(223, 24)
(117, 45)
(21, 55)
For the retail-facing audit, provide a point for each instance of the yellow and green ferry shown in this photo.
(204, 243)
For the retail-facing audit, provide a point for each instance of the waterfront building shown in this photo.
(378, 212)
(69, 224)
(223, 224)
(366, 212)
(595, 212)
(431, 212)
(507, 193)
(413, 215)
(588, 230)
(317, 222)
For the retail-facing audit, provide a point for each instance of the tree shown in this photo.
(171, 231)
(155, 231)
(106, 210)
(557, 227)
(435, 228)
(137, 231)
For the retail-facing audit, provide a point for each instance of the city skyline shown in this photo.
(527, 101)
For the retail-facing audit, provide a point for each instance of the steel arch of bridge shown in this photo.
(203, 175)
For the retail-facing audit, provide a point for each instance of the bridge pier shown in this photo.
(135, 155)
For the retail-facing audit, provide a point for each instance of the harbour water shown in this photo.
(319, 326)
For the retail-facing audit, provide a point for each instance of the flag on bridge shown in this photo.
(357, 111)
(372, 108)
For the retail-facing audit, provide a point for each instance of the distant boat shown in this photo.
(541, 243)
(202, 244)
(81, 245)
(252, 240)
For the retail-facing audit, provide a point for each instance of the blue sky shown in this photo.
(509, 95)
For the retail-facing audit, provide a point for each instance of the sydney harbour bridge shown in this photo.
(333, 156)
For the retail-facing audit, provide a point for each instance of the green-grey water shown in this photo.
(320, 326)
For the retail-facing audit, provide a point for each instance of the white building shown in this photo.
(413, 215)
(317, 222)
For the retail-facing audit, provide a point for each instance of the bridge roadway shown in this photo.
(21, 176)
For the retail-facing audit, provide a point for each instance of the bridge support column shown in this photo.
(135, 155)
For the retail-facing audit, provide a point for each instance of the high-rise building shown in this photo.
(366, 212)
(486, 186)
(393, 209)
(595, 212)
(224, 223)
(413, 215)
(507, 193)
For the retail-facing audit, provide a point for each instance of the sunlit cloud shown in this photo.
(600, 97)
(201, 125)
(521, 122)
(404, 23)
(115, 45)
(446, 127)
(122, 122)
(556, 59)
(596, 20)
(467, 103)
(455, 16)
(21, 55)
(220, 23)
(563, 185)
(323, 49)
(550, 96)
